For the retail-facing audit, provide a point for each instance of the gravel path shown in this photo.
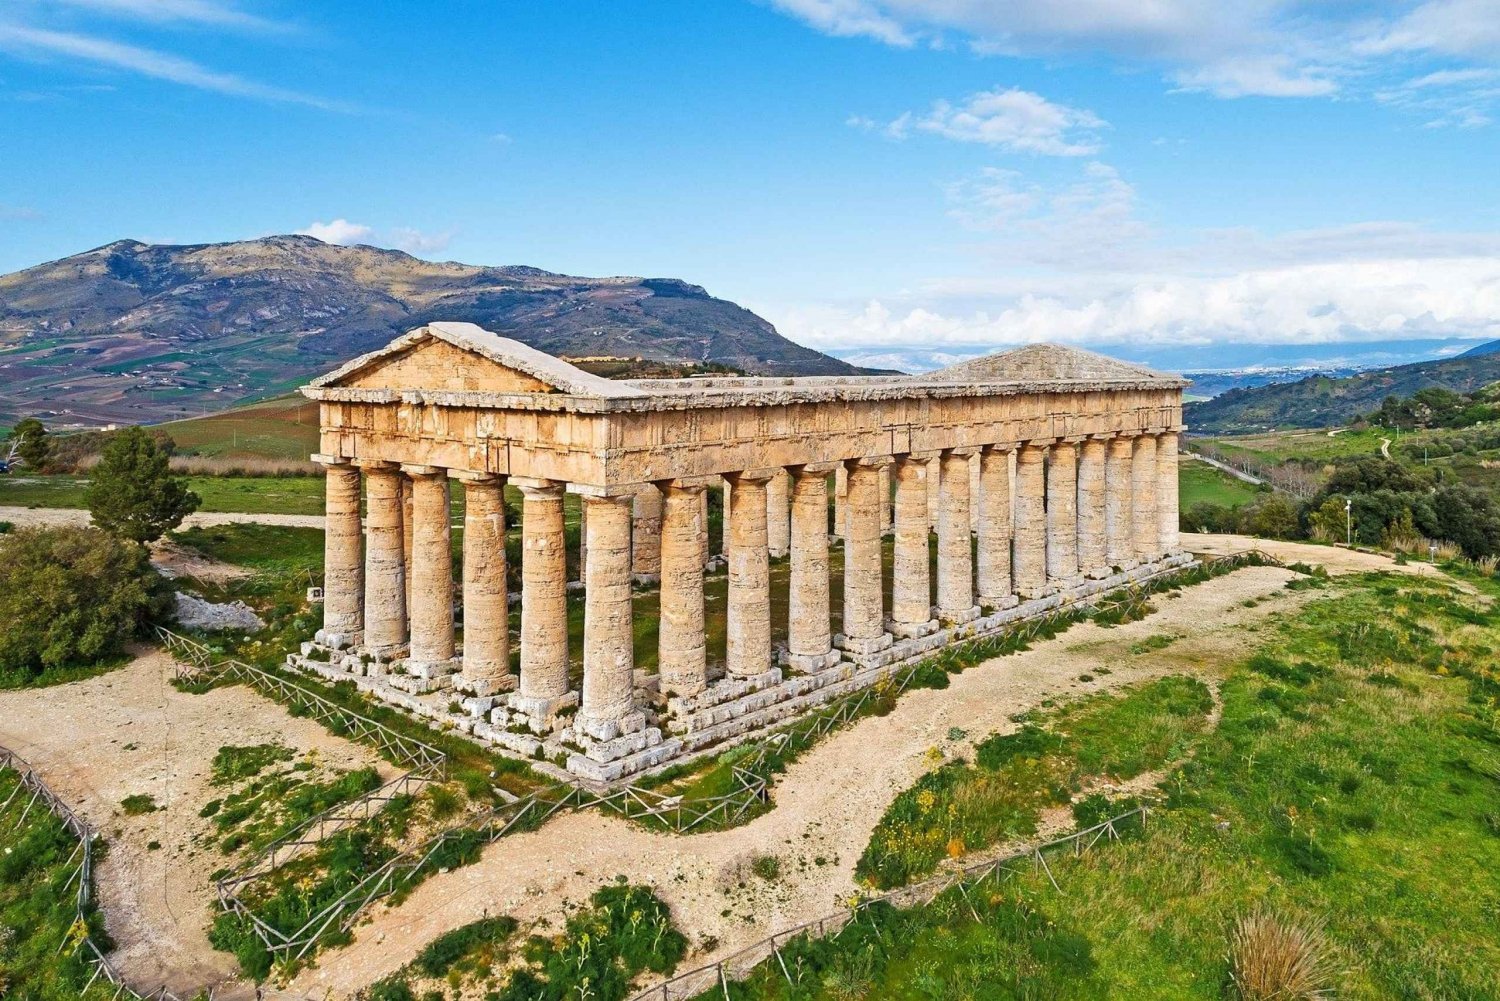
(826, 805)
(27, 517)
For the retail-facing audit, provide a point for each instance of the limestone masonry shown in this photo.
(1049, 475)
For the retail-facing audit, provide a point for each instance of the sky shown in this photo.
(897, 181)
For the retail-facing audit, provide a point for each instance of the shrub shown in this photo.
(444, 952)
(73, 596)
(1274, 960)
(133, 494)
(138, 803)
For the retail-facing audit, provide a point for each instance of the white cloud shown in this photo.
(207, 12)
(19, 213)
(340, 231)
(416, 242)
(1260, 75)
(41, 42)
(1011, 119)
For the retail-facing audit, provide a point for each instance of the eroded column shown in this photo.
(1091, 537)
(645, 534)
(1143, 498)
(432, 573)
(887, 505)
(1030, 553)
(343, 557)
(608, 707)
(841, 502)
(993, 571)
(408, 521)
(681, 651)
(486, 653)
(864, 599)
(385, 562)
(779, 514)
(1062, 514)
(911, 579)
(809, 635)
(1119, 538)
(955, 584)
(1168, 541)
(748, 629)
(543, 687)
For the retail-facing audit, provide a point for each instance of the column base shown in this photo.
(594, 728)
(958, 616)
(388, 654)
(1056, 585)
(432, 669)
(863, 646)
(811, 663)
(910, 630)
(1000, 602)
(338, 641)
(1098, 573)
(539, 715)
(490, 685)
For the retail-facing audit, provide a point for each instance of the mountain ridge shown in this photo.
(135, 332)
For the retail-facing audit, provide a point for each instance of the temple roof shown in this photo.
(1047, 362)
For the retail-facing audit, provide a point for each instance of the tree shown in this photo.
(73, 596)
(1468, 517)
(1273, 516)
(134, 494)
(1326, 523)
(29, 443)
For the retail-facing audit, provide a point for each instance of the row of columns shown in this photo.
(1071, 509)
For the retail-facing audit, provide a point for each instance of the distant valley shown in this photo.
(133, 333)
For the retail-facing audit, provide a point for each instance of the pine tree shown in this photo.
(134, 494)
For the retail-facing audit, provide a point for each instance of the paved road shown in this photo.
(1231, 470)
(26, 517)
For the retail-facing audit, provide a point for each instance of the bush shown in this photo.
(71, 597)
(1273, 960)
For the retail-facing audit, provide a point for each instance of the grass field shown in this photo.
(247, 494)
(1318, 446)
(282, 428)
(1352, 784)
(1198, 483)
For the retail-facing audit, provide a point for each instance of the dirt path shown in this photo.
(1385, 447)
(1336, 559)
(180, 561)
(27, 517)
(129, 731)
(826, 805)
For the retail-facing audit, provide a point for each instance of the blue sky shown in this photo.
(884, 178)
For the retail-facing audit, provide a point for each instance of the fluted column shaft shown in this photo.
(955, 585)
(486, 664)
(934, 488)
(408, 522)
(681, 653)
(544, 600)
(994, 527)
(748, 630)
(1168, 540)
(911, 580)
(1119, 539)
(385, 563)
(809, 635)
(1062, 512)
(887, 504)
(841, 502)
(1143, 497)
(864, 600)
(432, 569)
(343, 555)
(725, 528)
(1091, 537)
(608, 632)
(1030, 555)
(779, 514)
(645, 532)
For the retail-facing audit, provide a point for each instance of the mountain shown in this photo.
(1487, 348)
(132, 332)
(1320, 401)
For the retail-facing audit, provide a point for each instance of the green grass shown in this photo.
(1200, 483)
(260, 547)
(1324, 796)
(137, 804)
(1316, 445)
(243, 494)
(282, 428)
(39, 960)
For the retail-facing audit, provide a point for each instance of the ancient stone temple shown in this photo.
(1048, 475)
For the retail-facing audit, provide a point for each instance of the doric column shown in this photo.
(1062, 513)
(431, 588)
(486, 664)
(1030, 555)
(681, 656)
(408, 521)
(343, 555)
(1119, 538)
(645, 534)
(608, 706)
(1166, 494)
(864, 599)
(887, 505)
(994, 527)
(543, 685)
(583, 539)
(1143, 498)
(911, 578)
(934, 486)
(975, 486)
(748, 630)
(703, 542)
(809, 635)
(779, 514)
(841, 502)
(724, 527)
(385, 563)
(955, 584)
(1091, 538)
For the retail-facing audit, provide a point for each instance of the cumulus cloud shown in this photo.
(340, 231)
(1013, 119)
(346, 233)
(414, 241)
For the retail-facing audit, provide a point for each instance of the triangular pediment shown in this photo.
(464, 357)
(1048, 362)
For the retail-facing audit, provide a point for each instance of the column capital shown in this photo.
(765, 475)
(963, 450)
(593, 490)
(1073, 439)
(330, 460)
(916, 458)
(868, 462)
(417, 469)
(688, 483)
(1000, 448)
(813, 468)
(377, 465)
(535, 489)
(1039, 442)
(473, 476)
